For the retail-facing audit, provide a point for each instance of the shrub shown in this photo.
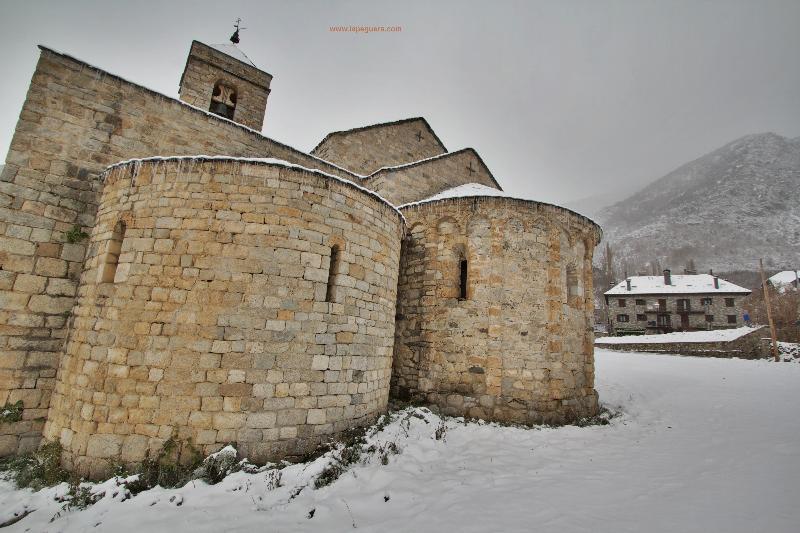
(174, 466)
(37, 470)
(11, 412)
(76, 235)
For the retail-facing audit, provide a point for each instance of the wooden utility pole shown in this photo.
(775, 352)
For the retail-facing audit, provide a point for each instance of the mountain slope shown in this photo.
(724, 210)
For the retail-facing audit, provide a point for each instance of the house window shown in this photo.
(621, 302)
(663, 320)
(333, 269)
(223, 100)
(622, 318)
(641, 318)
(108, 266)
(709, 318)
(728, 302)
(731, 319)
(684, 304)
(662, 305)
(706, 301)
(462, 282)
(639, 301)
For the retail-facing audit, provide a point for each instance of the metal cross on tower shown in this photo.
(235, 36)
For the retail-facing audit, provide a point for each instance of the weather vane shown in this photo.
(235, 36)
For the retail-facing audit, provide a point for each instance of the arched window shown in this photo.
(110, 259)
(573, 290)
(462, 282)
(223, 100)
(333, 269)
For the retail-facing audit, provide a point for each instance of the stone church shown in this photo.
(167, 271)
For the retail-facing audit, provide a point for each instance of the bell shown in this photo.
(235, 37)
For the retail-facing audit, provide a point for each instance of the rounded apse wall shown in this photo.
(494, 316)
(227, 301)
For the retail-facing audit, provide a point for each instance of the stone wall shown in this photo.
(519, 347)
(207, 66)
(755, 345)
(75, 121)
(718, 309)
(365, 150)
(417, 181)
(215, 326)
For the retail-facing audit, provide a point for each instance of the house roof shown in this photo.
(782, 280)
(382, 125)
(478, 190)
(679, 284)
(233, 51)
(429, 160)
(467, 190)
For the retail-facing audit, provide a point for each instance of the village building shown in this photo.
(681, 302)
(259, 294)
(786, 280)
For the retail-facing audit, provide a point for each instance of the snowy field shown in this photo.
(706, 445)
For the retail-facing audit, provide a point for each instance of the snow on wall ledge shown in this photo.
(472, 192)
(744, 343)
(718, 335)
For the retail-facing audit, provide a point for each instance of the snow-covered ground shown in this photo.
(701, 445)
(790, 351)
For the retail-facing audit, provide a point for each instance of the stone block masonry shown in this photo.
(250, 295)
(367, 149)
(495, 310)
(207, 66)
(75, 121)
(224, 319)
(409, 183)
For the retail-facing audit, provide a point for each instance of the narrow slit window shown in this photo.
(108, 268)
(333, 269)
(462, 286)
(573, 289)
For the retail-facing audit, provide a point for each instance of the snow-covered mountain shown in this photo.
(723, 210)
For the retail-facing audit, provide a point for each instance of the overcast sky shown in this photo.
(563, 100)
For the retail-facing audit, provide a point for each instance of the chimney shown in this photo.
(667, 277)
(710, 271)
(628, 284)
(716, 282)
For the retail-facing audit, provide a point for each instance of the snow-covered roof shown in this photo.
(233, 51)
(785, 279)
(679, 284)
(254, 160)
(465, 191)
(714, 335)
(478, 190)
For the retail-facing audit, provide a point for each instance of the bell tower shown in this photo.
(221, 79)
